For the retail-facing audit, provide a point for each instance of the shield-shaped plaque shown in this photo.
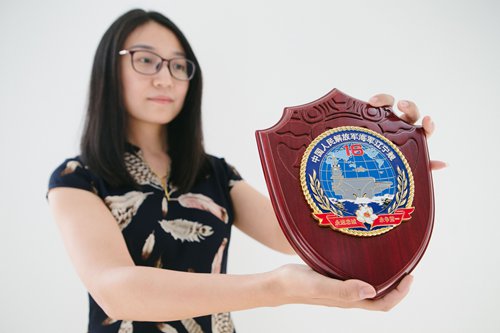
(351, 187)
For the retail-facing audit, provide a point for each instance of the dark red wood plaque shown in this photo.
(351, 187)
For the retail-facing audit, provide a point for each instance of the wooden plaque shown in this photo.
(352, 188)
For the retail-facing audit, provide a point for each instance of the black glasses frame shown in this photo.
(158, 69)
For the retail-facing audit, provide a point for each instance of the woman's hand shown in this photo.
(410, 115)
(300, 284)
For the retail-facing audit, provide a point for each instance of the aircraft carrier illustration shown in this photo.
(353, 188)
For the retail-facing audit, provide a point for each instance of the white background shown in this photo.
(257, 58)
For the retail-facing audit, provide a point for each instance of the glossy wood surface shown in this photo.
(379, 260)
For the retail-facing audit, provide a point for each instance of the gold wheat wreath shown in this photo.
(325, 204)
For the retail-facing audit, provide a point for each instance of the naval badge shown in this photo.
(356, 181)
(340, 163)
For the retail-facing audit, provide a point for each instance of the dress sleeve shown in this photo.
(233, 175)
(72, 173)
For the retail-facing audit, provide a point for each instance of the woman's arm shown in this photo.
(125, 291)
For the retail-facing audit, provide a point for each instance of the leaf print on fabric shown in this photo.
(124, 207)
(222, 323)
(232, 182)
(185, 230)
(159, 262)
(148, 246)
(166, 328)
(191, 326)
(70, 167)
(164, 207)
(108, 321)
(140, 171)
(94, 188)
(126, 327)
(217, 262)
(202, 202)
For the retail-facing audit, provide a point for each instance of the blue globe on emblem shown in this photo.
(354, 180)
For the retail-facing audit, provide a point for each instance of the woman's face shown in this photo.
(158, 98)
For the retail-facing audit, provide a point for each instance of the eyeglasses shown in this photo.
(150, 63)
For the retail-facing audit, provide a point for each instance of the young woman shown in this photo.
(146, 214)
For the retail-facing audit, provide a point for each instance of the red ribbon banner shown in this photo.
(343, 222)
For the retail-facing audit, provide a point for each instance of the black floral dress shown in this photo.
(163, 228)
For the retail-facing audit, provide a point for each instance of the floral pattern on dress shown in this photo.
(140, 171)
(185, 230)
(163, 228)
(124, 207)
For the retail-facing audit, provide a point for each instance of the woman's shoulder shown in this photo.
(72, 172)
(224, 170)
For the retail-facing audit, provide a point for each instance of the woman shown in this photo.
(146, 214)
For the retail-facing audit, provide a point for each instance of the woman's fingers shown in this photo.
(381, 100)
(353, 290)
(409, 108)
(390, 300)
(428, 126)
(394, 297)
(410, 114)
(300, 284)
(410, 111)
(438, 165)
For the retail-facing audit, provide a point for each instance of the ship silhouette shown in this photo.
(353, 188)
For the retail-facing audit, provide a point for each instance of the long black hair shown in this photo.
(104, 138)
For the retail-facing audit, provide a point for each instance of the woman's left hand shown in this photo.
(410, 115)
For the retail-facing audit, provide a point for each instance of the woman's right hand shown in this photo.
(300, 284)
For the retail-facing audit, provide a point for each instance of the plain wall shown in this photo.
(258, 57)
